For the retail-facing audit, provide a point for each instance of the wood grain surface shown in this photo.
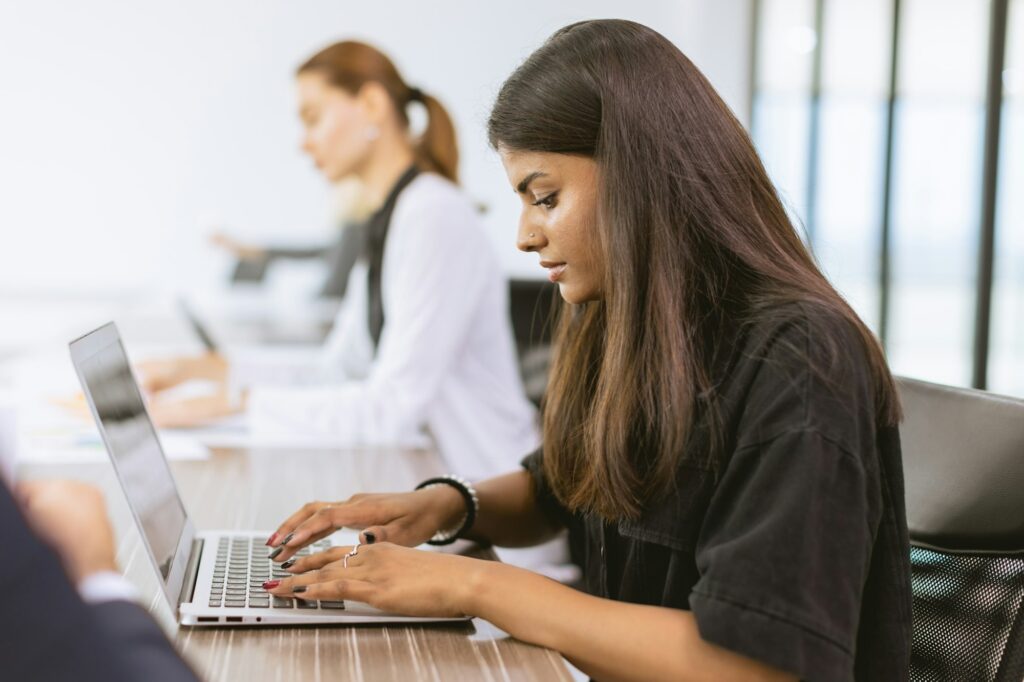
(257, 489)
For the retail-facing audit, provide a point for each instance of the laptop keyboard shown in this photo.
(241, 569)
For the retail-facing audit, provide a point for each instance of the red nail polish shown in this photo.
(271, 539)
(271, 584)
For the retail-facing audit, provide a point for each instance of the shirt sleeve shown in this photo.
(436, 264)
(106, 586)
(547, 501)
(785, 547)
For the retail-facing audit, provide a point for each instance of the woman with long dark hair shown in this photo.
(720, 430)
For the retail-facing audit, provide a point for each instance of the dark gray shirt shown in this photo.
(795, 551)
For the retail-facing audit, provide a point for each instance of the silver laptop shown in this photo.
(209, 578)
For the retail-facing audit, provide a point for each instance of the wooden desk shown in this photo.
(257, 489)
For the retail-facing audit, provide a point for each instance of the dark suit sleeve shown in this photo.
(142, 648)
(48, 633)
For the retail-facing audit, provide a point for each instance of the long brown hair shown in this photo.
(351, 64)
(696, 246)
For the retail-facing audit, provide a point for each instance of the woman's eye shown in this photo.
(547, 201)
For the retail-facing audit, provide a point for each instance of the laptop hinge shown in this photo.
(188, 585)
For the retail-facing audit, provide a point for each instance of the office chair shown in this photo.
(530, 305)
(963, 455)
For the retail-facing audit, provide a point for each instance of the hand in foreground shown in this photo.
(396, 579)
(408, 519)
(160, 375)
(72, 517)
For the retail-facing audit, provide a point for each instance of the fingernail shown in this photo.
(287, 539)
(274, 554)
(288, 564)
(271, 584)
(370, 538)
(270, 540)
(299, 590)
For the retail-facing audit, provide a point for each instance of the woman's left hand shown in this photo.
(392, 578)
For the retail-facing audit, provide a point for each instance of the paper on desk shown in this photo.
(62, 445)
(236, 435)
(234, 432)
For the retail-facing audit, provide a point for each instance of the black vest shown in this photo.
(376, 235)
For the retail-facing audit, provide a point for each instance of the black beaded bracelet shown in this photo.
(472, 506)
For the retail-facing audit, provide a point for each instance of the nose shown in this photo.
(530, 237)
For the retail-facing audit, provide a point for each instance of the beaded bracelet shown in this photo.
(447, 537)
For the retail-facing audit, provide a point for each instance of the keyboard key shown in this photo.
(324, 604)
(259, 603)
(215, 603)
(280, 603)
(304, 604)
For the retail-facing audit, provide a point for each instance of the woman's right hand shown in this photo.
(160, 375)
(408, 519)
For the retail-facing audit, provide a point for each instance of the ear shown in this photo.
(375, 101)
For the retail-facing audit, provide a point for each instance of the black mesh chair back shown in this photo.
(963, 455)
(531, 304)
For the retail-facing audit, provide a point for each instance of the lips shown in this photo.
(554, 268)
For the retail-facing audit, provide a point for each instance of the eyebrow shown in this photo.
(525, 182)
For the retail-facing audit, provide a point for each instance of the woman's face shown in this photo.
(337, 131)
(558, 221)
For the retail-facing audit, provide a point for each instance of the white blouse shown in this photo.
(445, 373)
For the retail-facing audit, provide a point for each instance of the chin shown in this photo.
(576, 295)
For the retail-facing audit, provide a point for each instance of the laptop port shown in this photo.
(233, 619)
(208, 619)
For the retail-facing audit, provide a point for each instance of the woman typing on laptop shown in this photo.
(720, 427)
(423, 343)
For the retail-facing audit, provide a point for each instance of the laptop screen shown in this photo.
(133, 445)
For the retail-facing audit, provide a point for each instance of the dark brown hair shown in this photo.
(350, 64)
(696, 245)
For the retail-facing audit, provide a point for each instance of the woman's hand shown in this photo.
(408, 519)
(240, 250)
(72, 517)
(192, 412)
(160, 375)
(395, 579)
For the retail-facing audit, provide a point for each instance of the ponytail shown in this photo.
(436, 148)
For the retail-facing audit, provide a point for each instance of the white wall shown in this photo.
(123, 124)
